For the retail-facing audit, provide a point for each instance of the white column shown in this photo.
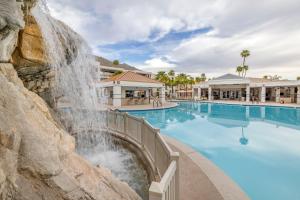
(117, 94)
(195, 90)
(248, 93)
(162, 95)
(277, 92)
(209, 94)
(263, 94)
(292, 94)
(221, 94)
(298, 95)
(199, 92)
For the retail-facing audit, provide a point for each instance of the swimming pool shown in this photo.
(257, 146)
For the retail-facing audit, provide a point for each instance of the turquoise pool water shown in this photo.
(257, 146)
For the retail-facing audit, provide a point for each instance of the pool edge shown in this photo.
(228, 189)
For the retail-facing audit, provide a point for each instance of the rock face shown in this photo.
(30, 60)
(19, 29)
(11, 21)
(37, 158)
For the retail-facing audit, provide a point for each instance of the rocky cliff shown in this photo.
(37, 158)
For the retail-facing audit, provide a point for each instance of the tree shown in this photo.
(198, 79)
(203, 77)
(172, 82)
(162, 77)
(117, 73)
(244, 54)
(275, 77)
(239, 70)
(265, 77)
(182, 80)
(298, 78)
(116, 62)
(245, 69)
(171, 73)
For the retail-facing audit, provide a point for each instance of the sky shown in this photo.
(190, 36)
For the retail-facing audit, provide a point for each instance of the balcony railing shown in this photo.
(164, 161)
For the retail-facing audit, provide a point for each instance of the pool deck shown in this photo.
(200, 179)
(166, 105)
(293, 105)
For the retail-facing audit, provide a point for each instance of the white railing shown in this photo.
(164, 162)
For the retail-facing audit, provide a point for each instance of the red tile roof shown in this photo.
(131, 77)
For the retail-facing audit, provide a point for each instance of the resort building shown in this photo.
(130, 88)
(107, 69)
(237, 88)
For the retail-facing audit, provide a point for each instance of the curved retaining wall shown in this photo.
(163, 161)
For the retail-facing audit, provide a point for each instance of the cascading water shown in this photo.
(75, 100)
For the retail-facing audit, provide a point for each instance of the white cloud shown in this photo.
(156, 64)
(270, 29)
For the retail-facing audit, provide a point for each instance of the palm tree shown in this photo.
(171, 75)
(245, 54)
(203, 77)
(276, 77)
(198, 79)
(239, 70)
(265, 77)
(182, 80)
(160, 75)
(245, 69)
(163, 77)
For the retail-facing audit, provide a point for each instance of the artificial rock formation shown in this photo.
(30, 61)
(37, 158)
(11, 21)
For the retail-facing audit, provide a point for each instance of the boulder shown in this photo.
(11, 21)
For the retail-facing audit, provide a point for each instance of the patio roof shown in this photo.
(228, 76)
(131, 77)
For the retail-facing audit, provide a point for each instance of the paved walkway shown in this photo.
(200, 179)
(148, 107)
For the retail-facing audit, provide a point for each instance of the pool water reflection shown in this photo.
(257, 146)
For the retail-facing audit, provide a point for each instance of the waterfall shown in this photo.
(74, 98)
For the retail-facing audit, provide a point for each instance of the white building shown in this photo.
(130, 88)
(236, 88)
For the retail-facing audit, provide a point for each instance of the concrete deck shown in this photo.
(200, 179)
(166, 105)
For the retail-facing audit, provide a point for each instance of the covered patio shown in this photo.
(234, 88)
(131, 89)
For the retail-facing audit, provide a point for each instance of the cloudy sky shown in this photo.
(192, 36)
